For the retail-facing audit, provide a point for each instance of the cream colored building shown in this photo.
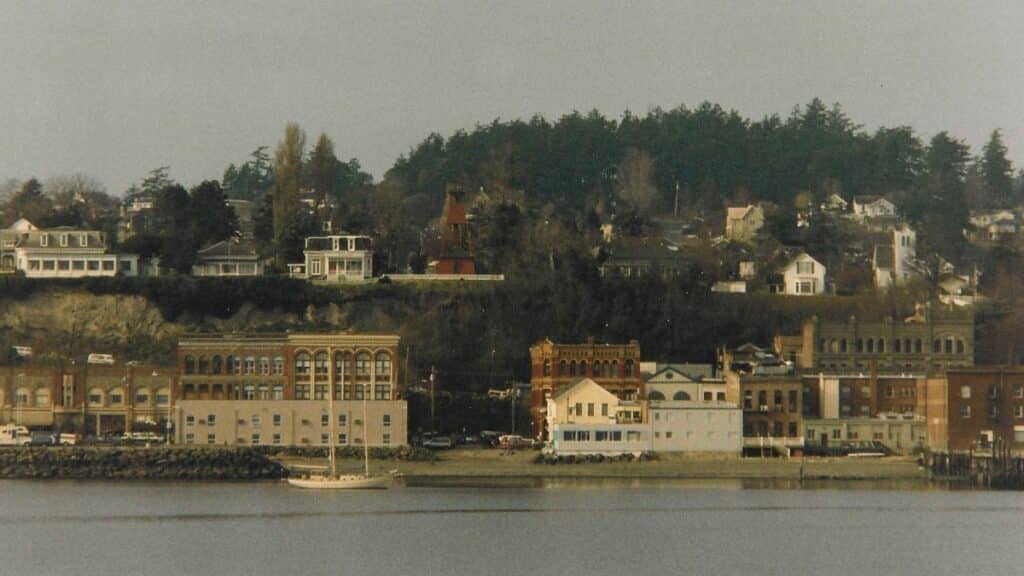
(290, 423)
(695, 427)
(742, 223)
(901, 433)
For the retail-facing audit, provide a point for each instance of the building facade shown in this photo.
(88, 399)
(289, 375)
(742, 223)
(803, 276)
(930, 342)
(616, 367)
(972, 408)
(228, 259)
(62, 253)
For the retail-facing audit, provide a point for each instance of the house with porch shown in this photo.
(336, 259)
(228, 258)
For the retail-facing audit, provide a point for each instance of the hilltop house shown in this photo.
(62, 252)
(802, 276)
(865, 207)
(340, 258)
(834, 203)
(634, 257)
(893, 264)
(228, 258)
(742, 223)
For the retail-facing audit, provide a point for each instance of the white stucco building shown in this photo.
(893, 264)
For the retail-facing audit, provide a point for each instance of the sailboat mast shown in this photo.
(366, 436)
(330, 409)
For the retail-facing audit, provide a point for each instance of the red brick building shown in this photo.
(616, 367)
(974, 407)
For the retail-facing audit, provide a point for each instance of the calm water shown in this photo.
(563, 528)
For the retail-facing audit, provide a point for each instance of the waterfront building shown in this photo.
(254, 383)
(616, 367)
(91, 399)
(974, 408)
(903, 434)
(585, 418)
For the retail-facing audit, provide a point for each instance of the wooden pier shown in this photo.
(992, 466)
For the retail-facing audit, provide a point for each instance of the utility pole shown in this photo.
(433, 375)
(515, 399)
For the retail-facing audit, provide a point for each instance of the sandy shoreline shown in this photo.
(494, 464)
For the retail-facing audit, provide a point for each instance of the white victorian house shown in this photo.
(340, 258)
(62, 253)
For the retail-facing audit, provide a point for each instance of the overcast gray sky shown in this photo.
(114, 89)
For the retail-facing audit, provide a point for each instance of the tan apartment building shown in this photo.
(273, 389)
(90, 399)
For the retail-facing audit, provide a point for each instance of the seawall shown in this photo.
(122, 463)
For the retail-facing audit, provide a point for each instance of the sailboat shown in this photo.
(332, 480)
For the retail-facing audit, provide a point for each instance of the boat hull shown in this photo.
(354, 482)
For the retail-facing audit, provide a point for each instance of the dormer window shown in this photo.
(83, 240)
(44, 240)
(64, 239)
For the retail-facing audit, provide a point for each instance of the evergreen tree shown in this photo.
(323, 171)
(213, 220)
(286, 187)
(997, 172)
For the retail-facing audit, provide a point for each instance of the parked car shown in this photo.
(142, 437)
(513, 441)
(14, 435)
(440, 442)
(67, 439)
(100, 359)
(41, 439)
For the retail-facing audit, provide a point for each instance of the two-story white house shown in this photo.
(742, 223)
(340, 258)
(803, 276)
(865, 207)
(62, 253)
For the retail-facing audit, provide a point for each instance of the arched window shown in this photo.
(547, 367)
(562, 368)
(42, 397)
(896, 346)
(382, 364)
(629, 367)
(583, 368)
(278, 365)
(190, 365)
(959, 346)
(937, 346)
(250, 364)
(655, 395)
(302, 364)
(22, 396)
(229, 364)
(681, 395)
(236, 366)
(204, 365)
(95, 397)
(615, 369)
(117, 397)
(833, 345)
(871, 345)
(881, 345)
(917, 346)
(265, 365)
(363, 364)
(142, 397)
(217, 365)
(860, 345)
(163, 396)
(320, 365)
(906, 346)
(842, 345)
(572, 368)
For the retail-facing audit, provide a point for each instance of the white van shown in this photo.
(101, 359)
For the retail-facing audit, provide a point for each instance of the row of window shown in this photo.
(64, 239)
(947, 345)
(98, 398)
(777, 397)
(777, 429)
(599, 369)
(600, 435)
(234, 365)
(107, 265)
(684, 395)
(577, 409)
(344, 363)
(993, 391)
(257, 420)
(256, 439)
(993, 411)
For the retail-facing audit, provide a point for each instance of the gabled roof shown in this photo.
(740, 212)
(579, 384)
(454, 212)
(646, 248)
(694, 373)
(800, 256)
(229, 249)
(22, 225)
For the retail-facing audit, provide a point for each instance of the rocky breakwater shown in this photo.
(110, 463)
